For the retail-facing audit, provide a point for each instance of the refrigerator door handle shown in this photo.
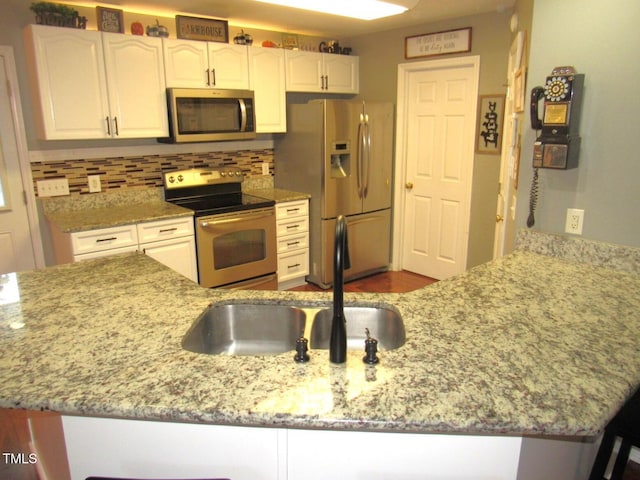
(367, 155)
(360, 154)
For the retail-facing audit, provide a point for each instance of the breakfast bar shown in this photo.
(536, 349)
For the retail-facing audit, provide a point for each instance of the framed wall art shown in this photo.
(518, 90)
(110, 20)
(438, 43)
(490, 124)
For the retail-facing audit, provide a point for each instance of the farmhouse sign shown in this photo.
(438, 43)
(194, 28)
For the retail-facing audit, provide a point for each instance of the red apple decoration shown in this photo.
(137, 28)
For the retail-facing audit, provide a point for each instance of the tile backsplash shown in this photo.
(146, 170)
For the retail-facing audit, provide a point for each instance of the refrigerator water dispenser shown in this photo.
(340, 159)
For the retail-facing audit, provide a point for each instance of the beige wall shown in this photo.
(381, 53)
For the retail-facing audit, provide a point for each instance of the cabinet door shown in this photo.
(342, 73)
(68, 81)
(186, 63)
(179, 254)
(267, 75)
(304, 71)
(137, 89)
(229, 66)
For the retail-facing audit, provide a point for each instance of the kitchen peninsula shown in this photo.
(521, 359)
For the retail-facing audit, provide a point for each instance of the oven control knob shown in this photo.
(180, 178)
(171, 179)
(223, 173)
(238, 174)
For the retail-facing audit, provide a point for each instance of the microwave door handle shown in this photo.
(243, 115)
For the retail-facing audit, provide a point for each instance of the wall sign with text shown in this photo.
(438, 43)
(490, 124)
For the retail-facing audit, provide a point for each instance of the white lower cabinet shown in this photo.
(292, 225)
(169, 241)
(146, 449)
(151, 449)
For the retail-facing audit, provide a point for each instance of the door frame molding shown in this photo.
(23, 155)
(400, 170)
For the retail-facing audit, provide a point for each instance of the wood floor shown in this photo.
(386, 282)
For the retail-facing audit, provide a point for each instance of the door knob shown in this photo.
(499, 218)
(408, 185)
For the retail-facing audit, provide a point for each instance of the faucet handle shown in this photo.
(371, 349)
(302, 346)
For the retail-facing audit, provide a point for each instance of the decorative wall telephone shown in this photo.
(558, 143)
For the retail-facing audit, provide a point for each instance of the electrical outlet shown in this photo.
(575, 219)
(265, 168)
(53, 188)
(94, 183)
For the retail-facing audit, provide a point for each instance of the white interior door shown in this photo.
(16, 243)
(436, 127)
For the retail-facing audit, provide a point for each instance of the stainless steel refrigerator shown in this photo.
(340, 152)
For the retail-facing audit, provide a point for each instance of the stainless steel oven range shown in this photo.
(235, 232)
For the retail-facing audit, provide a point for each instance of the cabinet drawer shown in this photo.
(292, 209)
(293, 265)
(104, 239)
(294, 225)
(293, 242)
(165, 229)
(105, 253)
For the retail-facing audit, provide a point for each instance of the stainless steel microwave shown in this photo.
(210, 115)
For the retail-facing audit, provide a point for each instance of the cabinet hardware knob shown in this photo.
(409, 185)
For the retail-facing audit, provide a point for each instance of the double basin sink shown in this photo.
(270, 328)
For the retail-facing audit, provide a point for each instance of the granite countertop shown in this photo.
(530, 344)
(277, 194)
(78, 213)
(110, 209)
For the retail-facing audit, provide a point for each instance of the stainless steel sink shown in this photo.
(384, 324)
(269, 328)
(246, 329)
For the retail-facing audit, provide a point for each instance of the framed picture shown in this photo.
(110, 20)
(490, 124)
(207, 29)
(518, 90)
(290, 41)
(438, 43)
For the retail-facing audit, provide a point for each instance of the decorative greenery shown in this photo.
(48, 7)
(48, 13)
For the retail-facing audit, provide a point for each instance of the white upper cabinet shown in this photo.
(321, 72)
(186, 63)
(68, 82)
(137, 90)
(92, 85)
(267, 74)
(196, 64)
(342, 73)
(229, 65)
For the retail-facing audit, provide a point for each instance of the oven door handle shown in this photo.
(240, 218)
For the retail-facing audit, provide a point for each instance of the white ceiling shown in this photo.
(260, 15)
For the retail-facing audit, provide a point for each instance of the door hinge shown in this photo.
(24, 197)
